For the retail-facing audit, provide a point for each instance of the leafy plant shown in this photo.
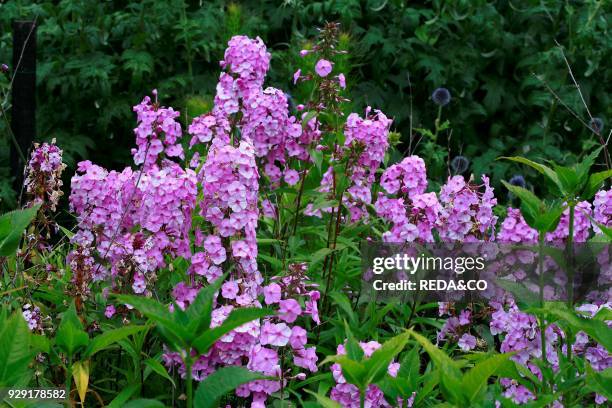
(189, 332)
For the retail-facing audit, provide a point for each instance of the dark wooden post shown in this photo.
(23, 109)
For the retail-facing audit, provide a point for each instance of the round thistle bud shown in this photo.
(518, 181)
(597, 125)
(441, 96)
(4, 68)
(459, 164)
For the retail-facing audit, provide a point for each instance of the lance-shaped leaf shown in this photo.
(324, 401)
(538, 215)
(12, 225)
(600, 382)
(584, 167)
(353, 371)
(199, 311)
(545, 170)
(378, 363)
(15, 352)
(80, 373)
(222, 381)
(159, 314)
(594, 183)
(476, 378)
(70, 334)
(110, 337)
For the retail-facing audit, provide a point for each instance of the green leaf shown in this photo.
(121, 398)
(69, 234)
(600, 382)
(476, 379)
(594, 183)
(568, 178)
(378, 363)
(144, 403)
(110, 337)
(200, 311)
(157, 367)
(159, 314)
(353, 371)
(538, 215)
(344, 303)
(584, 167)
(219, 383)
(324, 401)
(410, 367)
(531, 206)
(546, 171)
(353, 349)
(597, 329)
(15, 352)
(12, 225)
(236, 318)
(70, 334)
(439, 357)
(450, 374)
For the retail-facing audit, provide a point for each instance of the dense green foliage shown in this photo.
(96, 59)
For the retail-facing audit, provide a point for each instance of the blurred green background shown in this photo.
(98, 58)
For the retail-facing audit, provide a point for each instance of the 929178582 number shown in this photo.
(33, 394)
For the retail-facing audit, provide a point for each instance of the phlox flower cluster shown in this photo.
(347, 394)
(467, 212)
(33, 317)
(514, 229)
(274, 133)
(43, 178)
(229, 179)
(602, 208)
(366, 144)
(230, 183)
(157, 132)
(131, 219)
(413, 213)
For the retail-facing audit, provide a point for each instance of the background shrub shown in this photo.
(96, 59)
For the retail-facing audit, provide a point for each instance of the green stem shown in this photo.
(570, 273)
(189, 383)
(361, 399)
(69, 376)
(437, 124)
(542, 321)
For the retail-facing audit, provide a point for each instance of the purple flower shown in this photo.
(109, 311)
(4, 68)
(467, 342)
(275, 334)
(292, 177)
(272, 293)
(296, 76)
(323, 68)
(229, 290)
(289, 310)
(342, 81)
